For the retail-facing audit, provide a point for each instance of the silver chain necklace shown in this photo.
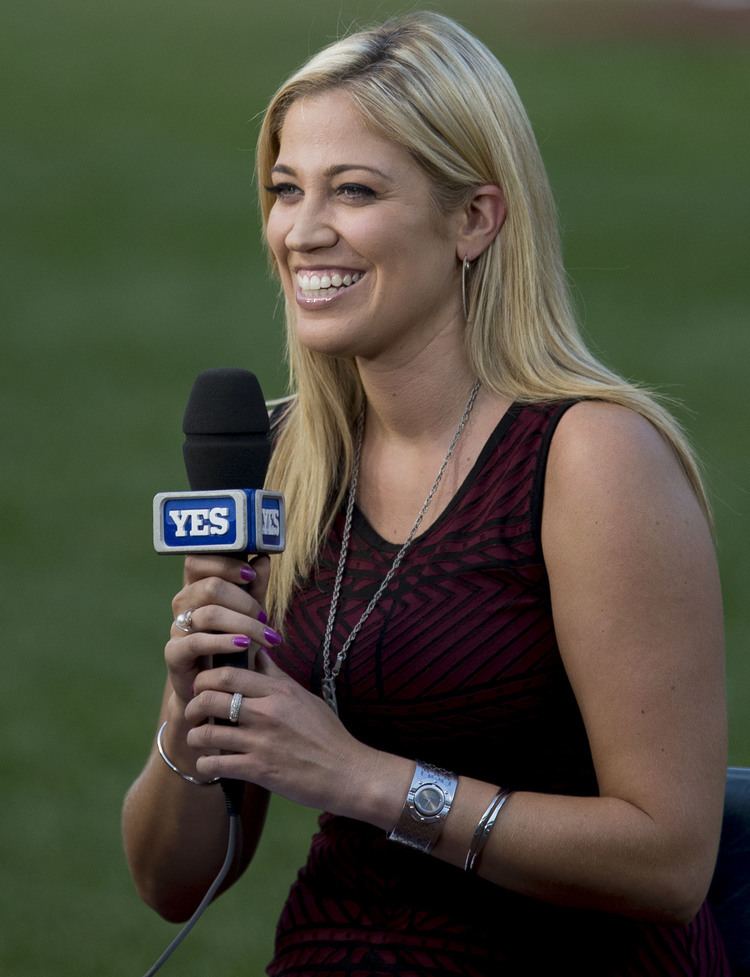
(330, 674)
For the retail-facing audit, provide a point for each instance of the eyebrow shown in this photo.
(333, 170)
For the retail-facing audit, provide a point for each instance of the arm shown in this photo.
(174, 832)
(637, 612)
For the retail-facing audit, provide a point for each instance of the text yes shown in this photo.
(201, 522)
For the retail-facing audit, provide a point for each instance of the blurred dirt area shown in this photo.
(720, 20)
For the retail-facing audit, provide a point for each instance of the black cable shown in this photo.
(234, 833)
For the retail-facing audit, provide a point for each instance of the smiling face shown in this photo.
(366, 260)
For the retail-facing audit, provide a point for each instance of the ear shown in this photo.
(481, 219)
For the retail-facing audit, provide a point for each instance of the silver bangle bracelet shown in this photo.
(174, 767)
(484, 826)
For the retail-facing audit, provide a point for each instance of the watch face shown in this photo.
(429, 800)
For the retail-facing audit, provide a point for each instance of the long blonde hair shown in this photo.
(424, 82)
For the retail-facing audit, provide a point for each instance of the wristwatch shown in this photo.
(426, 807)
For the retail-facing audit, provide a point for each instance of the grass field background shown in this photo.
(130, 262)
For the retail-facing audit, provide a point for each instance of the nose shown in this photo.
(311, 227)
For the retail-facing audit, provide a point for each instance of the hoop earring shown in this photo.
(465, 286)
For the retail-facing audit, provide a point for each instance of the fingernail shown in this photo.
(241, 641)
(247, 573)
(272, 637)
(263, 617)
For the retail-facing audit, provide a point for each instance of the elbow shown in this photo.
(680, 888)
(172, 899)
(676, 908)
(685, 896)
(175, 905)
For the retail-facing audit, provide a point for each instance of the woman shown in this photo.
(499, 604)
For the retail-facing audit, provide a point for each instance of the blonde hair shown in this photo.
(424, 82)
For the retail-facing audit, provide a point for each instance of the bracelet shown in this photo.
(484, 826)
(426, 807)
(172, 766)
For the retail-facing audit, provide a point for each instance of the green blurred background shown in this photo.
(130, 262)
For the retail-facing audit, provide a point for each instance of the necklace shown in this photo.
(331, 673)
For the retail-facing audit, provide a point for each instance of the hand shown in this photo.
(225, 598)
(286, 740)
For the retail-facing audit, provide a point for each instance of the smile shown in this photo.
(322, 286)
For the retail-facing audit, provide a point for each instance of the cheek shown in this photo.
(276, 232)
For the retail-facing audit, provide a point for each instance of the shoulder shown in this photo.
(605, 445)
(593, 432)
(613, 475)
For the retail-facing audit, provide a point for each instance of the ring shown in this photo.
(234, 708)
(184, 621)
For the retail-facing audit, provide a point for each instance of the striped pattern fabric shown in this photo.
(457, 666)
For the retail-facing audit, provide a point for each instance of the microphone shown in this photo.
(226, 450)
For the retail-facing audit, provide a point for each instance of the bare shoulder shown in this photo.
(610, 462)
(619, 513)
(594, 433)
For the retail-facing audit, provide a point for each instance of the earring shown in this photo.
(465, 286)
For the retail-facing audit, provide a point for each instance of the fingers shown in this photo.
(232, 569)
(215, 690)
(185, 656)
(211, 704)
(217, 612)
(252, 575)
(215, 590)
(226, 681)
(262, 567)
(216, 604)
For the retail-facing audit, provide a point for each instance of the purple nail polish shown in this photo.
(241, 641)
(263, 617)
(247, 573)
(272, 637)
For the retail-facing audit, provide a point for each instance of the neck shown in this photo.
(416, 401)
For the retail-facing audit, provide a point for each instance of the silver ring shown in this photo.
(234, 708)
(184, 621)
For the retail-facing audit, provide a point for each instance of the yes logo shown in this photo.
(230, 521)
(271, 522)
(200, 522)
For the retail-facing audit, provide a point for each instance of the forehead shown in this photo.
(329, 129)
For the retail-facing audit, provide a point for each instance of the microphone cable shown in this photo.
(232, 840)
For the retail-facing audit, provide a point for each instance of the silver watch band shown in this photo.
(428, 802)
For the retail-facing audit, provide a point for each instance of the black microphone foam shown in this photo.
(227, 442)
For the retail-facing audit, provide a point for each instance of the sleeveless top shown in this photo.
(457, 666)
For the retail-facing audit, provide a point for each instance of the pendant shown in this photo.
(329, 693)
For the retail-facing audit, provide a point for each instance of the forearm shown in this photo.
(598, 853)
(175, 832)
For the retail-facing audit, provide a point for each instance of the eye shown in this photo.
(283, 190)
(355, 192)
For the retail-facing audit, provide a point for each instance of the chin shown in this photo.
(327, 338)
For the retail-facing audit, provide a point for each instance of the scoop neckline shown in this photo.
(363, 528)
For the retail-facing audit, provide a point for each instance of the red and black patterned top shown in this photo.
(457, 666)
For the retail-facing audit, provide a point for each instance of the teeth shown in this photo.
(314, 282)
